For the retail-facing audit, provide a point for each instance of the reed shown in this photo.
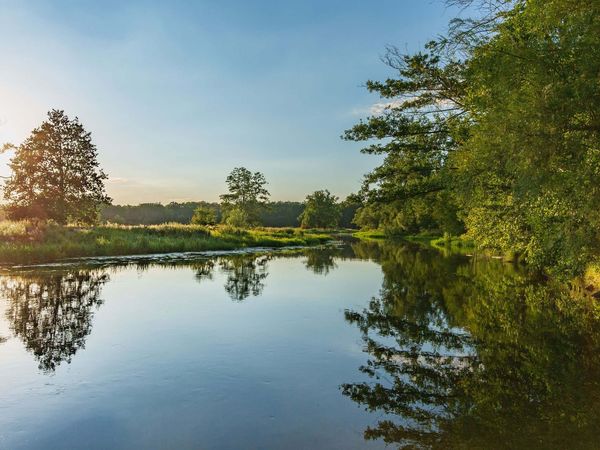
(26, 242)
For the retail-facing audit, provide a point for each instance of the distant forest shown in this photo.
(277, 214)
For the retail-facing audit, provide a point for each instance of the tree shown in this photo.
(528, 172)
(494, 129)
(321, 210)
(204, 216)
(56, 174)
(419, 126)
(247, 196)
(349, 207)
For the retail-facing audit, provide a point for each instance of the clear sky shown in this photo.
(177, 93)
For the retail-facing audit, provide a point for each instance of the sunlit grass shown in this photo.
(370, 234)
(26, 242)
(592, 276)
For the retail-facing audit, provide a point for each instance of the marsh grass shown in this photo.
(28, 242)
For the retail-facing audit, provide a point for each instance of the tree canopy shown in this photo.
(56, 174)
(321, 210)
(494, 129)
(204, 216)
(246, 198)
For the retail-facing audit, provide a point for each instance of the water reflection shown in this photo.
(51, 309)
(245, 275)
(460, 352)
(52, 312)
(321, 261)
(476, 354)
(204, 269)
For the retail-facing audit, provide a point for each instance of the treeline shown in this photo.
(56, 177)
(493, 130)
(275, 214)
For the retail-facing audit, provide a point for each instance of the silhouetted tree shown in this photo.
(56, 174)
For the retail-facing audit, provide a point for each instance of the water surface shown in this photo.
(333, 348)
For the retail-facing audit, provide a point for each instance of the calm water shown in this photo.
(339, 348)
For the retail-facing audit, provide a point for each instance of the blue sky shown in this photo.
(177, 93)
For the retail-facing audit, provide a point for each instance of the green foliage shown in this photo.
(155, 213)
(281, 214)
(204, 216)
(275, 214)
(246, 198)
(321, 210)
(30, 242)
(56, 174)
(348, 210)
(237, 217)
(420, 126)
(494, 128)
(528, 173)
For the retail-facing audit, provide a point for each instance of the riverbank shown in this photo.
(588, 281)
(26, 242)
(454, 243)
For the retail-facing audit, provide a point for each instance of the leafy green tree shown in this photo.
(56, 174)
(247, 196)
(349, 207)
(418, 126)
(321, 210)
(237, 217)
(494, 129)
(204, 216)
(528, 172)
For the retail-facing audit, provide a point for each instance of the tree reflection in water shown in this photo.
(204, 269)
(476, 354)
(245, 275)
(52, 311)
(321, 260)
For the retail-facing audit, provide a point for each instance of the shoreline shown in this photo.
(41, 243)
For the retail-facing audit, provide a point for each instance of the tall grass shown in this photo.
(27, 242)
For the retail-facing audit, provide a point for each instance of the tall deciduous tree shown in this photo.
(247, 196)
(56, 174)
(417, 126)
(495, 128)
(321, 210)
(528, 173)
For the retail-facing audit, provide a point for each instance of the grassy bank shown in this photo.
(25, 242)
(369, 234)
(457, 243)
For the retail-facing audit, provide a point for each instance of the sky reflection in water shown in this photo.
(318, 348)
